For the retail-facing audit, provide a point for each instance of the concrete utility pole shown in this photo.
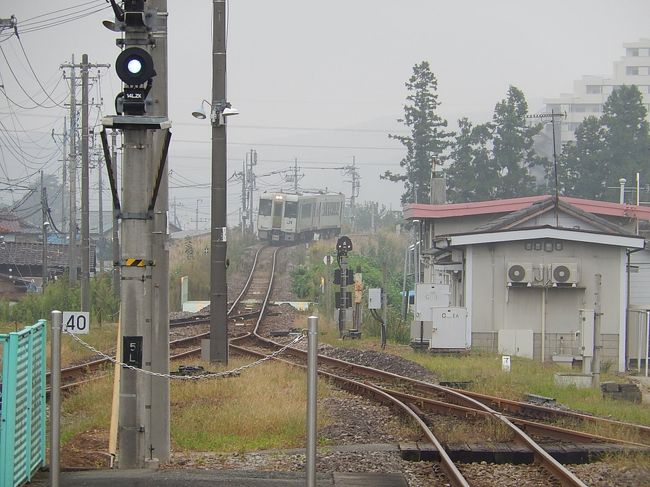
(116, 220)
(250, 183)
(85, 202)
(72, 172)
(44, 225)
(141, 442)
(295, 175)
(598, 337)
(160, 409)
(99, 255)
(218, 248)
(64, 162)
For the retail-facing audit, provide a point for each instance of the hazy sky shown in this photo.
(320, 82)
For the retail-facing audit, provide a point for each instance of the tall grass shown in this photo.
(263, 408)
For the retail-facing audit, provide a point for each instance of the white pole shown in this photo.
(312, 375)
(639, 326)
(647, 341)
(55, 397)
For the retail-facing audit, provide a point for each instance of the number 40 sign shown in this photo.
(77, 322)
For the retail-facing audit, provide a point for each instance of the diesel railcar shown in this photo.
(287, 217)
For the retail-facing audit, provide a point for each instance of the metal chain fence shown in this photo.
(211, 375)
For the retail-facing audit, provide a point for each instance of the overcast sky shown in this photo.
(320, 82)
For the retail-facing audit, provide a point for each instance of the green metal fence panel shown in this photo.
(22, 410)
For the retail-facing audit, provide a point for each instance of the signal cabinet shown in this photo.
(429, 296)
(449, 329)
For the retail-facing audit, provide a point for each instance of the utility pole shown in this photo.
(116, 221)
(44, 225)
(243, 212)
(100, 208)
(85, 191)
(196, 215)
(218, 248)
(85, 202)
(160, 407)
(72, 172)
(295, 175)
(64, 162)
(141, 182)
(250, 178)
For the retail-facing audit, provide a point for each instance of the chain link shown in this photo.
(212, 375)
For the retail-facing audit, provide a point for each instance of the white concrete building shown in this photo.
(591, 92)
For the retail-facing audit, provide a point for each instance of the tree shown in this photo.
(607, 148)
(472, 176)
(513, 152)
(626, 139)
(583, 171)
(427, 140)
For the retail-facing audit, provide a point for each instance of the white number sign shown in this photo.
(77, 322)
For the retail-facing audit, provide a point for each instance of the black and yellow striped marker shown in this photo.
(134, 262)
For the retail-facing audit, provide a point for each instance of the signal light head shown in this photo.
(134, 66)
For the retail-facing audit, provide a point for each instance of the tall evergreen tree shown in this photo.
(626, 141)
(583, 170)
(472, 175)
(427, 140)
(513, 146)
(608, 148)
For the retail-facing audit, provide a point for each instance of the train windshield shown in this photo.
(291, 209)
(265, 207)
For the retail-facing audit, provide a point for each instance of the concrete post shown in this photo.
(55, 397)
(312, 393)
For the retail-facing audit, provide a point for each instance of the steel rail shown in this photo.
(446, 463)
(543, 458)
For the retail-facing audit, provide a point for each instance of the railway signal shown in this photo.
(343, 276)
(142, 425)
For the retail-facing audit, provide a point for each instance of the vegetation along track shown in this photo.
(410, 396)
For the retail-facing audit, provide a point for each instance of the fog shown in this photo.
(317, 82)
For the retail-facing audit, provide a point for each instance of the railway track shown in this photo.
(414, 399)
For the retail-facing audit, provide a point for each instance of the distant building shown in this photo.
(591, 92)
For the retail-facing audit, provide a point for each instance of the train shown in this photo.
(295, 217)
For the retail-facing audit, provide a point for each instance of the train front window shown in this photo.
(277, 209)
(291, 209)
(265, 207)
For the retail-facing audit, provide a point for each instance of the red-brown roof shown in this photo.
(421, 211)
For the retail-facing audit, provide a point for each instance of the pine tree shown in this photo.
(472, 175)
(583, 171)
(513, 146)
(428, 139)
(626, 138)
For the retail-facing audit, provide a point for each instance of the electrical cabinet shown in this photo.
(449, 329)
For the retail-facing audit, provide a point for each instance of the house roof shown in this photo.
(11, 223)
(520, 217)
(28, 253)
(603, 208)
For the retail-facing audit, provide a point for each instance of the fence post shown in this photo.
(312, 376)
(55, 398)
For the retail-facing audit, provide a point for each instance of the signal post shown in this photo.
(142, 170)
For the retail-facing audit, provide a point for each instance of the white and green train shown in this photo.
(287, 217)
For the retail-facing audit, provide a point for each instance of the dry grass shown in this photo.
(263, 408)
(88, 408)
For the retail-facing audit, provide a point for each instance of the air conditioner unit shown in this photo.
(564, 274)
(519, 273)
